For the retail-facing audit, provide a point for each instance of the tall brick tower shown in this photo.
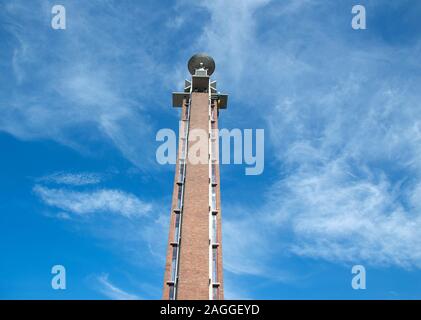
(193, 268)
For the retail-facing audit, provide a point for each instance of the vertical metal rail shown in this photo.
(186, 137)
(212, 147)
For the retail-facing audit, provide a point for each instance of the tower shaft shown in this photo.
(193, 268)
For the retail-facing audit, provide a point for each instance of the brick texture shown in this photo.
(193, 274)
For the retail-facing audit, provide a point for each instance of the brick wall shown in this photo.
(193, 281)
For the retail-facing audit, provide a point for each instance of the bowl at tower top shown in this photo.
(201, 60)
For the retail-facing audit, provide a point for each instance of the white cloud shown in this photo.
(142, 242)
(231, 27)
(89, 202)
(250, 246)
(106, 287)
(73, 179)
(339, 217)
(344, 126)
(342, 116)
(87, 91)
(352, 156)
(175, 22)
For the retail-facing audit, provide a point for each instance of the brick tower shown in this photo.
(193, 268)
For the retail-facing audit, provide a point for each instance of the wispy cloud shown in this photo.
(97, 96)
(346, 145)
(242, 258)
(133, 228)
(343, 218)
(341, 110)
(350, 159)
(89, 202)
(236, 34)
(110, 290)
(73, 179)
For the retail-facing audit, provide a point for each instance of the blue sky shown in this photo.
(80, 108)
